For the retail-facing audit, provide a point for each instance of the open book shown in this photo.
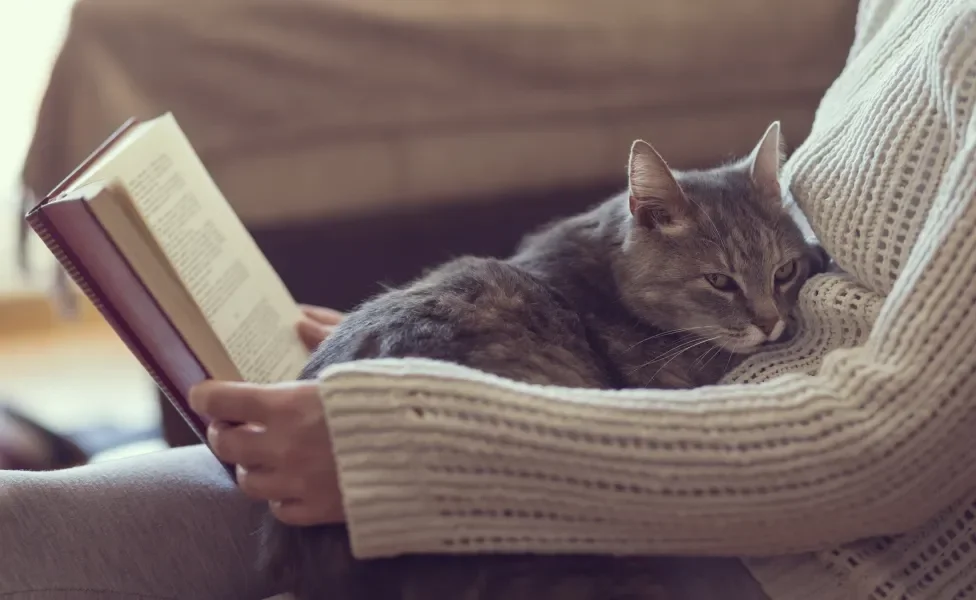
(143, 230)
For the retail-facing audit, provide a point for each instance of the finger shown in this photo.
(313, 333)
(266, 484)
(240, 444)
(232, 401)
(322, 315)
(303, 513)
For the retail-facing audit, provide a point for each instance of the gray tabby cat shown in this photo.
(668, 286)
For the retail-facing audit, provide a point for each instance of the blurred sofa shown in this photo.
(362, 140)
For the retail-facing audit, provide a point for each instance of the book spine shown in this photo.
(37, 222)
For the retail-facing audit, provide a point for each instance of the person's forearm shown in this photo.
(438, 464)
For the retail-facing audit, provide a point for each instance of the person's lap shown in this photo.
(167, 525)
(172, 525)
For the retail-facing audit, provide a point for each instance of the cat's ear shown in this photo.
(656, 199)
(767, 159)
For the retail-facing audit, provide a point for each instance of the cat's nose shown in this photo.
(772, 326)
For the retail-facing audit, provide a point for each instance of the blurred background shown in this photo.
(363, 140)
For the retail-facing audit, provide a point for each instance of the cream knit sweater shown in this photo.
(863, 428)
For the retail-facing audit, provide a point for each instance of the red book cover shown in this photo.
(84, 249)
(78, 241)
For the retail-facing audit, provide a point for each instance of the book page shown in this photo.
(115, 209)
(240, 295)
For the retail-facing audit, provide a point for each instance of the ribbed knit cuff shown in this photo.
(385, 496)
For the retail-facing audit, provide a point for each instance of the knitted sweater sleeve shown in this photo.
(438, 458)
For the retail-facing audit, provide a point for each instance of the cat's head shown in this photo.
(716, 252)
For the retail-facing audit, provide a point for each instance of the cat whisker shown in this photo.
(715, 351)
(731, 354)
(670, 332)
(680, 347)
(702, 356)
(718, 351)
(684, 339)
(704, 341)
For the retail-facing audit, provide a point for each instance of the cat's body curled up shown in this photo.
(666, 286)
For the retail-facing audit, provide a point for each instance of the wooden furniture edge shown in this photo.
(33, 312)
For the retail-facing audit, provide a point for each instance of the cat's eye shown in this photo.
(721, 282)
(785, 272)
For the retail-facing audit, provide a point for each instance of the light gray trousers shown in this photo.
(169, 525)
(172, 525)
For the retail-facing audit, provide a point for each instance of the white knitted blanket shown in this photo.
(863, 428)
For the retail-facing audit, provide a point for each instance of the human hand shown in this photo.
(278, 438)
(317, 324)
